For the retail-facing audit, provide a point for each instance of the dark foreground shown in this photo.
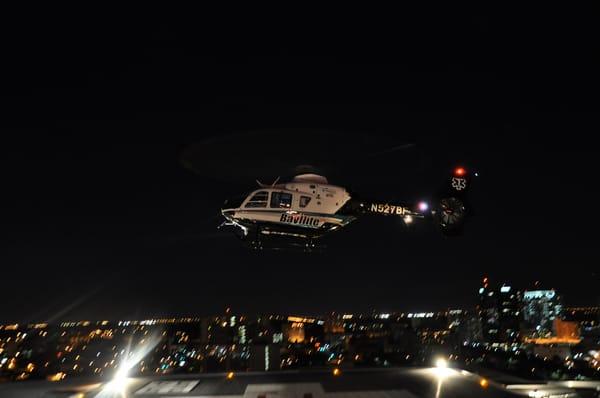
(377, 383)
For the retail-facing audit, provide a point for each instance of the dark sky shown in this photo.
(100, 220)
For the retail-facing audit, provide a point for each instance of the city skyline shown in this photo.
(228, 311)
(527, 334)
(230, 342)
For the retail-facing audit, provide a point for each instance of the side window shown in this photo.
(281, 200)
(259, 199)
(304, 201)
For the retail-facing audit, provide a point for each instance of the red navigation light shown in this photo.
(460, 171)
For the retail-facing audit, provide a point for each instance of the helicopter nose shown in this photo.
(227, 212)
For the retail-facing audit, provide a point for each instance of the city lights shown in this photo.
(57, 376)
(280, 342)
(118, 385)
(441, 363)
(441, 369)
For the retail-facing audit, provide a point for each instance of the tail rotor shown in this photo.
(451, 210)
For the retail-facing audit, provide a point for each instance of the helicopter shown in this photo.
(308, 207)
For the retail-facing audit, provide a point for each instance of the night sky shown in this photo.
(100, 219)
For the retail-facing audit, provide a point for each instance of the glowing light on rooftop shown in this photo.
(441, 363)
(117, 387)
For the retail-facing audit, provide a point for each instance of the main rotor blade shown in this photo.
(267, 154)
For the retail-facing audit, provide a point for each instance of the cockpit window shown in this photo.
(281, 200)
(304, 201)
(259, 199)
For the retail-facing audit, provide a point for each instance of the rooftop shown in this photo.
(344, 383)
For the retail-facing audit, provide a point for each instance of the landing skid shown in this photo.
(305, 246)
(259, 237)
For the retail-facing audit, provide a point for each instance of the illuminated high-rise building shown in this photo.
(509, 310)
(500, 313)
(242, 334)
(265, 357)
(540, 309)
(488, 312)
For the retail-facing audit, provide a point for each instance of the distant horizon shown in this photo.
(73, 307)
(257, 315)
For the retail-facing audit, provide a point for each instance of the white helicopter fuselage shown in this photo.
(302, 207)
(308, 207)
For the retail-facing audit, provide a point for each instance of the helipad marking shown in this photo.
(204, 396)
(167, 387)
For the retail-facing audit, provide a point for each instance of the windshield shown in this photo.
(466, 265)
